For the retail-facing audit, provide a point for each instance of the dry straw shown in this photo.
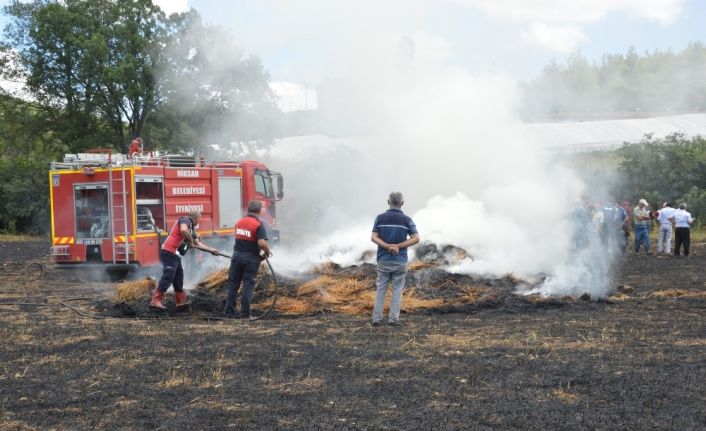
(331, 291)
(675, 293)
(349, 295)
(418, 264)
(620, 296)
(215, 281)
(130, 291)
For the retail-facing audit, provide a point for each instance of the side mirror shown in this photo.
(280, 186)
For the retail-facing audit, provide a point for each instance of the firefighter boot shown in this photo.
(181, 302)
(156, 302)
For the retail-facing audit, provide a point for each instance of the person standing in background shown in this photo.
(393, 232)
(641, 220)
(581, 223)
(597, 218)
(664, 240)
(682, 229)
(610, 227)
(627, 226)
(623, 228)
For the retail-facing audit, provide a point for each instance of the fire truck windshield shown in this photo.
(263, 183)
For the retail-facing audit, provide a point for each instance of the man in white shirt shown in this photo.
(682, 233)
(665, 230)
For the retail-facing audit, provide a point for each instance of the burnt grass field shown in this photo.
(634, 361)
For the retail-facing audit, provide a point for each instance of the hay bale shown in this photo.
(138, 290)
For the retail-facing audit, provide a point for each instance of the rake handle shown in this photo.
(209, 251)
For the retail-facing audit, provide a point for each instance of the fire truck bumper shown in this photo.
(115, 270)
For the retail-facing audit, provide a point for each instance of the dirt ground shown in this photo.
(635, 361)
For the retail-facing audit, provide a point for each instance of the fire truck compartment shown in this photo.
(229, 199)
(92, 211)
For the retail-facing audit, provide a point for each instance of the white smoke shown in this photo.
(415, 122)
(448, 140)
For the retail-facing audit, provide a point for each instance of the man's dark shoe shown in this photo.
(376, 324)
(229, 315)
(244, 316)
(395, 323)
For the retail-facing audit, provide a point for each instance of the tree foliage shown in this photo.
(26, 149)
(629, 83)
(669, 169)
(214, 94)
(97, 73)
(90, 64)
(105, 71)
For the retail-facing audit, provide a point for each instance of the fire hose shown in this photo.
(273, 283)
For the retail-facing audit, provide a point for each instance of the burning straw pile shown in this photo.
(348, 295)
(351, 290)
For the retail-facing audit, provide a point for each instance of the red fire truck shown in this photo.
(112, 211)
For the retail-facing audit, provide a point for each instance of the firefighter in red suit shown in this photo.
(250, 239)
(181, 238)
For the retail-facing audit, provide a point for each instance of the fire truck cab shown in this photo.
(112, 212)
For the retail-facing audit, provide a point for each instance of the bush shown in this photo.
(24, 197)
(669, 169)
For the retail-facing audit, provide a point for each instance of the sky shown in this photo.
(304, 42)
(301, 42)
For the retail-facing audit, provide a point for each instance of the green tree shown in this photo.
(98, 72)
(26, 149)
(668, 169)
(90, 64)
(653, 82)
(214, 95)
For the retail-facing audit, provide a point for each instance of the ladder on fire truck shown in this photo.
(118, 216)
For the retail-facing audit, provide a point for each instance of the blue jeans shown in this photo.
(243, 268)
(642, 236)
(172, 272)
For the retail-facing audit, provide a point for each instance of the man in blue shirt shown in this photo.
(393, 232)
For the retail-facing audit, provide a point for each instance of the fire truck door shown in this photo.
(229, 201)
